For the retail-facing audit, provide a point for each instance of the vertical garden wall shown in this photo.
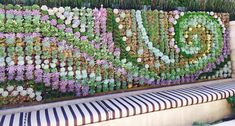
(52, 54)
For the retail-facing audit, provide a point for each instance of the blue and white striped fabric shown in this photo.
(97, 111)
(16, 119)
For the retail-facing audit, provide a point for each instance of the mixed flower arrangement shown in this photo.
(49, 53)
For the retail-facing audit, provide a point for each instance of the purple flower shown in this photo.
(20, 35)
(84, 38)
(69, 30)
(44, 17)
(2, 35)
(53, 22)
(55, 85)
(97, 46)
(55, 77)
(85, 90)
(2, 69)
(61, 26)
(116, 53)
(35, 12)
(11, 69)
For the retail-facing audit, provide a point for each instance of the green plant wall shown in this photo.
(57, 53)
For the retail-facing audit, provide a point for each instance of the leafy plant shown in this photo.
(231, 100)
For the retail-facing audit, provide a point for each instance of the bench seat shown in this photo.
(120, 107)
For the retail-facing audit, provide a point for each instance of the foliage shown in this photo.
(196, 5)
(231, 100)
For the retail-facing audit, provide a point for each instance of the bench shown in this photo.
(120, 107)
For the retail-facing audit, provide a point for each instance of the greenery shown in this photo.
(231, 100)
(195, 5)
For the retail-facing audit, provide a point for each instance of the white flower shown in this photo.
(128, 33)
(38, 66)
(182, 14)
(10, 88)
(44, 7)
(62, 64)
(83, 30)
(175, 46)
(123, 15)
(124, 38)
(175, 22)
(5, 94)
(215, 16)
(71, 14)
(46, 61)
(99, 78)
(8, 59)
(70, 18)
(75, 17)
(29, 90)
(55, 9)
(74, 26)
(120, 26)
(140, 52)
(14, 93)
(146, 66)
(123, 60)
(62, 17)
(62, 69)
(19, 88)
(32, 95)
(37, 57)
(139, 60)
(92, 75)
(212, 13)
(45, 66)
(39, 98)
(21, 62)
(177, 16)
(2, 64)
(50, 12)
(128, 48)
(115, 11)
(23, 93)
(38, 93)
(61, 9)
(117, 19)
(70, 68)
(20, 58)
(71, 73)
(1, 90)
(30, 61)
(53, 65)
(54, 60)
(67, 22)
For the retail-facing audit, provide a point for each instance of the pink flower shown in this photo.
(77, 34)
(20, 35)
(171, 19)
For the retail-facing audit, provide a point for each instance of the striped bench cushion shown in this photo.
(97, 111)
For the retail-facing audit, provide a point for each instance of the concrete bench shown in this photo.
(95, 111)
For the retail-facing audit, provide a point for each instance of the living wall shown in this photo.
(59, 53)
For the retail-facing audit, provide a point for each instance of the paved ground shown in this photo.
(229, 123)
